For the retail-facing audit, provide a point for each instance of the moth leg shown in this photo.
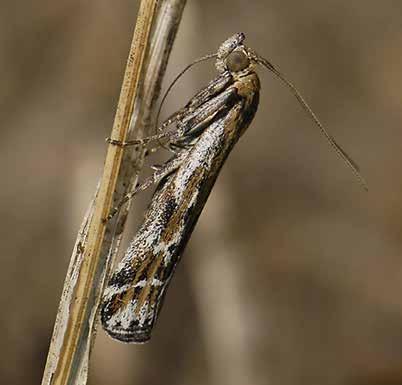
(156, 177)
(174, 118)
(128, 143)
(148, 151)
(136, 142)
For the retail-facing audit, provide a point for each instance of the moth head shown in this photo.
(230, 44)
(232, 55)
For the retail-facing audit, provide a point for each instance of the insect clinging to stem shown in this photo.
(206, 129)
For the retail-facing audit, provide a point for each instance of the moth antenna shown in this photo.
(181, 73)
(331, 141)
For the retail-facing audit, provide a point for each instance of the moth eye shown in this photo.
(237, 61)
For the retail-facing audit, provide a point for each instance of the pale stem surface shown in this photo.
(74, 330)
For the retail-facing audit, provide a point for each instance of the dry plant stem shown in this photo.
(148, 87)
(68, 349)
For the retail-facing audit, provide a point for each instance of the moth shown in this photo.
(205, 131)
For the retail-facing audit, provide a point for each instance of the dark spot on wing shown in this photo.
(122, 277)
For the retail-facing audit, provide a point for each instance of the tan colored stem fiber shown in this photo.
(65, 371)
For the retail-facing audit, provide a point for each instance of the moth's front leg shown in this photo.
(146, 140)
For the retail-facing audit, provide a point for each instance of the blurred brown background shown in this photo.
(294, 274)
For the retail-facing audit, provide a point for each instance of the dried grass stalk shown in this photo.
(73, 333)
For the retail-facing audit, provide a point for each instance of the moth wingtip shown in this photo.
(121, 322)
(129, 336)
